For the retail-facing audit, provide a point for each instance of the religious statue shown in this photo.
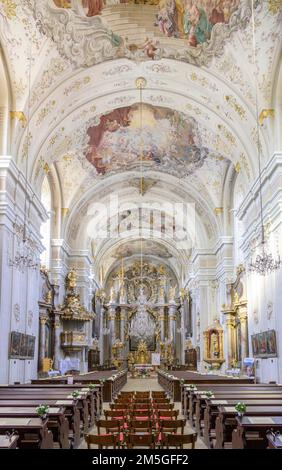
(142, 353)
(158, 332)
(71, 279)
(171, 294)
(213, 338)
(112, 294)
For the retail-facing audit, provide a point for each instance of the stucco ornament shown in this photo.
(86, 41)
(269, 309)
(17, 312)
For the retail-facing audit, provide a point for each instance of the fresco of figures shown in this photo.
(193, 20)
(170, 141)
(90, 7)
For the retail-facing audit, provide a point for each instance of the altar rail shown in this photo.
(171, 381)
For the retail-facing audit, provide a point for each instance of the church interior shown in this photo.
(140, 224)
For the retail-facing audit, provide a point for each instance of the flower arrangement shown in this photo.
(209, 394)
(75, 393)
(42, 410)
(240, 408)
(192, 387)
(143, 372)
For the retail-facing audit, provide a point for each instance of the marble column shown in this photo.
(42, 322)
(112, 326)
(57, 327)
(122, 330)
(101, 335)
(243, 317)
(172, 322)
(162, 323)
(230, 325)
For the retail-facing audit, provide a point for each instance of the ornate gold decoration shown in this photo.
(72, 308)
(20, 116)
(140, 83)
(238, 167)
(73, 340)
(65, 211)
(218, 210)
(10, 8)
(44, 165)
(237, 107)
(71, 279)
(240, 269)
(213, 339)
(184, 294)
(48, 297)
(274, 6)
(265, 113)
(143, 184)
(142, 355)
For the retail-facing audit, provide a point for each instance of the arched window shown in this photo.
(45, 231)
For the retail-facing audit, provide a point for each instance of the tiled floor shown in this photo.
(146, 384)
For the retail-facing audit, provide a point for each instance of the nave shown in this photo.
(175, 409)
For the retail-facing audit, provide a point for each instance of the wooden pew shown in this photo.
(252, 431)
(32, 432)
(212, 410)
(8, 442)
(71, 412)
(226, 421)
(57, 421)
(30, 394)
(172, 385)
(190, 395)
(274, 442)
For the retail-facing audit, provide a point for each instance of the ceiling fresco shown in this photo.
(90, 31)
(146, 247)
(194, 20)
(170, 141)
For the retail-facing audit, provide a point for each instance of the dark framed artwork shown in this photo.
(15, 345)
(22, 346)
(30, 347)
(264, 344)
(255, 345)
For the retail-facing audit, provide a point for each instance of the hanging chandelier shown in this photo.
(264, 263)
(25, 254)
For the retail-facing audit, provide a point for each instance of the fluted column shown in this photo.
(243, 317)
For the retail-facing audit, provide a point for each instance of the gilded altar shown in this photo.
(213, 345)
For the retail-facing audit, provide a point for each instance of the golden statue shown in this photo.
(142, 352)
(71, 279)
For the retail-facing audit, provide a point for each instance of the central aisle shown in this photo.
(140, 385)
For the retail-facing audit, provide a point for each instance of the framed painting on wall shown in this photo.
(264, 344)
(15, 345)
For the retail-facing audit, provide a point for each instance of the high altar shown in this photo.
(141, 315)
